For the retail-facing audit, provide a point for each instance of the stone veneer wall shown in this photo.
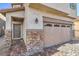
(34, 42)
(8, 39)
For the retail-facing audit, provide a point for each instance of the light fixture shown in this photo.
(36, 20)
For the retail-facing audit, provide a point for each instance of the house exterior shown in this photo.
(2, 25)
(40, 25)
(76, 28)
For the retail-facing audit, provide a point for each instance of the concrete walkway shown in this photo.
(70, 48)
(3, 46)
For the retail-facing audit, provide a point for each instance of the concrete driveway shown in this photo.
(70, 48)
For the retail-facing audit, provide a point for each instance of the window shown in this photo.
(73, 5)
(56, 25)
(50, 25)
(68, 26)
(63, 26)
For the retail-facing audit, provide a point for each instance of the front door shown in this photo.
(17, 28)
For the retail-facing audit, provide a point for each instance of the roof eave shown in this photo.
(11, 10)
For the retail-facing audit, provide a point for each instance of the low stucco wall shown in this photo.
(76, 29)
(76, 34)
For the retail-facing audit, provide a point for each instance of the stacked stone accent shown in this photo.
(18, 48)
(34, 42)
(8, 36)
(8, 39)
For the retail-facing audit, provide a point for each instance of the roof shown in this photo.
(16, 3)
(47, 9)
(39, 7)
(11, 10)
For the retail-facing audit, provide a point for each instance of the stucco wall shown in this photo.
(49, 15)
(32, 15)
(76, 25)
(65, 7)
(76, 29)
(15, 14)
(8, 30)
(9, 19)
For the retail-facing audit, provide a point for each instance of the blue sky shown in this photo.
(77, 9)
(8, 5)
(5, 5)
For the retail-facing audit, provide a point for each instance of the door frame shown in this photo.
(21, 29)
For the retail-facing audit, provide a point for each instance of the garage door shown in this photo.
(56, 33)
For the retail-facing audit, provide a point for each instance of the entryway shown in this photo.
(17, 28)
(18, 46)
(16, 31)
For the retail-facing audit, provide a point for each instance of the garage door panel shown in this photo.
(63, 34)
(51, 35)
(68, 32)
(56, 34)
(48, 36)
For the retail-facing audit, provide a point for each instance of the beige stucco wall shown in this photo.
(65, 7)
(49, 15)
(19, 14)
(76, 25)
(76, 29)
(32, 15)
(76, 34)
(15, 14)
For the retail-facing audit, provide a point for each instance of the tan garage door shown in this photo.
(55, 33)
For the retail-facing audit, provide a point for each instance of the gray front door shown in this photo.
(16, 31)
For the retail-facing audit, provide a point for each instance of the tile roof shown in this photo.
(11, 10)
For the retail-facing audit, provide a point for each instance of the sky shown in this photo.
(77, 9)
(8, 5)
(5, 5)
